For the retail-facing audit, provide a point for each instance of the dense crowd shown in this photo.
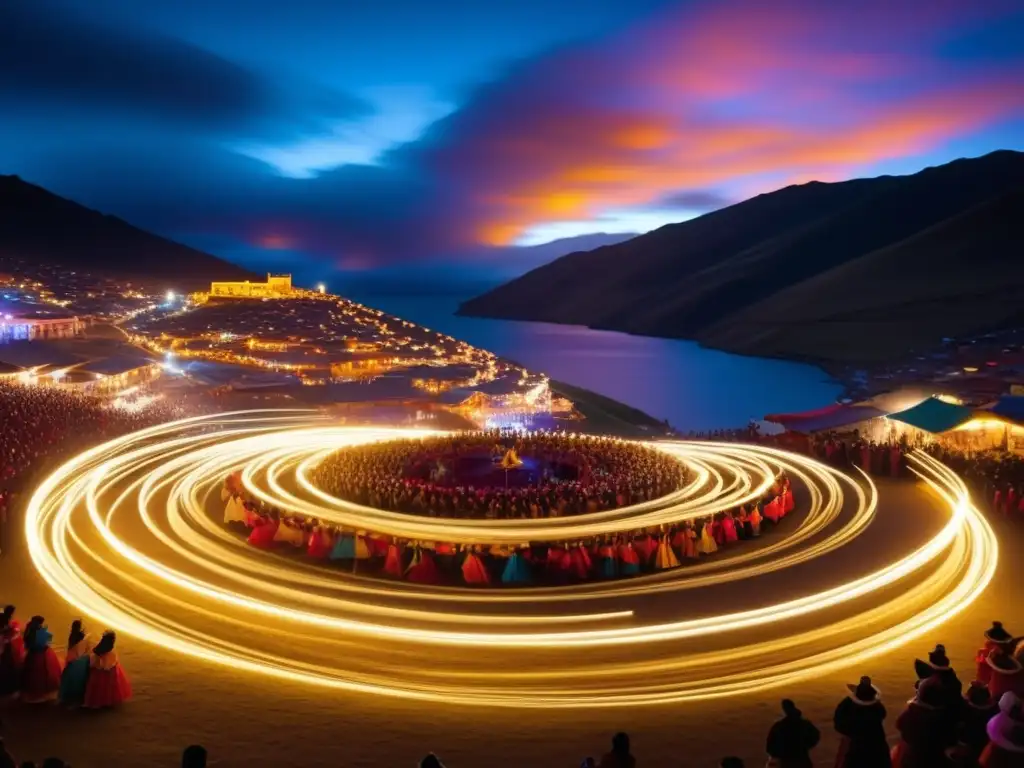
(943, 725)
(467, 475)
(626, 554)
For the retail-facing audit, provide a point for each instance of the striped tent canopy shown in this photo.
(934, 415)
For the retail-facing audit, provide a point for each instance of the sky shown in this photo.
(453, 137)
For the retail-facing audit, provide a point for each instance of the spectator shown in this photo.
(194, 756)
(620, 756)
(431, 761)
(859, 720)
(791, 739)
(1006, 735)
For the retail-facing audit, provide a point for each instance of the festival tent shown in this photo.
(934, 415)
(826, 419)
(1009, 408)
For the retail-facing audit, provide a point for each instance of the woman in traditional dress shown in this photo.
(629, 558)
(108, 685)
(689, 541)
(40, 676)
(717, 531)
(393, 562)
(665, 558)
(608, 565)
(996, 636)
(859, 719)
(646, 547)
(743, 524)
(706, 544)
(755, 521)
(422, 569)
(729, 529)
(926, 728)
(517, 570)
(788, 503)
(344, 547)
(473, 570)
(76, 666)
(263, 532)
(290, 532)
(580, 561)
(234, 511)
(320, 543)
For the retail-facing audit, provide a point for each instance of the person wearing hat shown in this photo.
(938, 668)
(996, 637)
(926, 728)
(859, 720)
(979, 707)
(1005, 673)
(791, 739)
(1006, 735)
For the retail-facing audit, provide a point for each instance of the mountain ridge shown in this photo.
(38, 224)
(692, 279)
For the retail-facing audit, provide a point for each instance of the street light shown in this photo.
(321, 287)
(170, 296)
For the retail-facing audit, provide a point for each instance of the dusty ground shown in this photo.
(246, 720)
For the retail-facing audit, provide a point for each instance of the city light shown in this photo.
(321, 288)
(170, 296)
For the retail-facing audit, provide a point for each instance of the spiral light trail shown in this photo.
(130, 533)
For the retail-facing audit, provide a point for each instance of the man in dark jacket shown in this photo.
(792, 738)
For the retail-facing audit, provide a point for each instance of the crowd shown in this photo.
(467, 475)
(89, 674)
(626, 554)
(943, 725)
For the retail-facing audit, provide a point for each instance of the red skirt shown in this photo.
(473, 570)
(107, 688)
(393, 564)
(262, 535)
(40, 677)
(425, 571)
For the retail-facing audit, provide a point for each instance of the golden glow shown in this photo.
(129, 533)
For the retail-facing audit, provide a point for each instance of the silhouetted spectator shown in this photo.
(194, 756)
(431, 761)
(731, 762)
(859, 720)
(926, 727)
(792, 738)
(620, 756)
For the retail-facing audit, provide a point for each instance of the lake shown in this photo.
(694, 388)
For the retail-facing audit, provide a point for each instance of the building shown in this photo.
(277, 286)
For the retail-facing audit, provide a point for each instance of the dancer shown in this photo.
(629, 558)
(40, 676)
(76, 667)
(755, 521)
(729, 529)
(859, 720)
(608, 566)
(938, 668)
(706, 545)
(1005, 673)
(108, 685)
(320, 543)
(473, 570)
(666, 557)
(393, 561)
(263, 532)
(11, 659)
(517, 570)
(690, 541)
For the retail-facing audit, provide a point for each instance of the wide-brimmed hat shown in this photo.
(929, 693)
(1006, 729)
(997, 634)
(1001, 661)
(978, 695)
(864, 692)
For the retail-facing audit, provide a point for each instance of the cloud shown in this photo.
(693, 109)
(53, 60)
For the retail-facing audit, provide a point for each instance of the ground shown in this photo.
(250, 720)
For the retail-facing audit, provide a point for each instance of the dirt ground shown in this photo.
(248, 720)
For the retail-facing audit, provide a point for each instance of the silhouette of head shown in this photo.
(789, 708)
(620, 743)
(194, 756)
(106, 643)
(431, 761)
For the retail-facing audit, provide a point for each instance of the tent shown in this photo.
(833, 417)
(787, 418)
(1009, 408)
(934, 415)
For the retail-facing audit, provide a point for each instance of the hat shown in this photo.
(864, 692)
(1007, 728)
(929, 694)
(997, 634)
(1001, 661)
(978, 695)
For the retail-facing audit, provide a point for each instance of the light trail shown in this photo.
(130, 534)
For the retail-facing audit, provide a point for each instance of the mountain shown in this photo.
(38, 225)
(854, 271)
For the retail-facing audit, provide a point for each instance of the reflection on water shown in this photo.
(693, 388)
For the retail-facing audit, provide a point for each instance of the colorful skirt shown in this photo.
(344, 548)
(473, 571)
(40, 677)
(107, 688)
(517, 570)
(73, 682)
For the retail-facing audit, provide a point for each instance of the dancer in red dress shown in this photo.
(40, 676)
(996, 636)
(473, 571)
(108, 685)
(422, 569)
(263, 532)
(320, 543)
(729, 529)
(393, 562)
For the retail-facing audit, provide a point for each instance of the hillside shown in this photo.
(37, 225)
(817, 271)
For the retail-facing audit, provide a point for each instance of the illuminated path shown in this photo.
(130, 534)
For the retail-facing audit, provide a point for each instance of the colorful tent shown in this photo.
(826, 419)
(934, 415)
(1009, 408)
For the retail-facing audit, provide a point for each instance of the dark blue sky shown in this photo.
(362, 136)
